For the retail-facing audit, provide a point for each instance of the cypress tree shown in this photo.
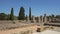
(21, 14)
(29, 13)
(12, 14)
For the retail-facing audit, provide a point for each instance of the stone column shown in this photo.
(45, 19)
(33, 19)
(49, 19)
(42, 18)
(27, 18)
(39, 19)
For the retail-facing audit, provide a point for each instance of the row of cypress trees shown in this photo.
(21, 14)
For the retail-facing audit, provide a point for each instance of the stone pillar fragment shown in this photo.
(39, 19)
(49, 19)
(33, 19)
(45, 19)
(42, 18)
(27, 18)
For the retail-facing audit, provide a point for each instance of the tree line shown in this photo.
(11, 16)
(21, 16)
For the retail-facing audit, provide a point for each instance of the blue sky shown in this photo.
(38, 7)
